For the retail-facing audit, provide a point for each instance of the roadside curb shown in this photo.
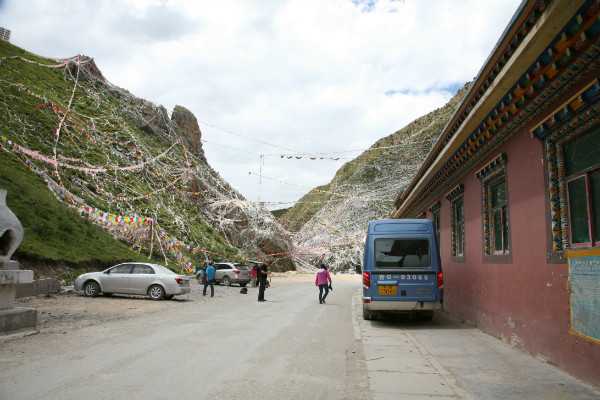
(18, 335)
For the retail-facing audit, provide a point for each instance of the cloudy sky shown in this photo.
(275, 77)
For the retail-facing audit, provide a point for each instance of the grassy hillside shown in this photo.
(71, 146)
(364, 189)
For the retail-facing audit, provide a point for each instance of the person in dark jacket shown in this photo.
(263, 274)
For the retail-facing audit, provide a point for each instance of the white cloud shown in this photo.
(309, 75)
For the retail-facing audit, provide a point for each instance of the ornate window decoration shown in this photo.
(578, 116)
(494, 203)
(582, 175)
(435, 212)
(457, 220)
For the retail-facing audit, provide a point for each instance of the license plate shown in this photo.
(385, 290)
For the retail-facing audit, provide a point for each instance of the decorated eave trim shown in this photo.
(476, 93)
(587, 96)
(455, 193)
(486, 83)
(542, 84)
(491, 167)
(435, 207)
(574, 39)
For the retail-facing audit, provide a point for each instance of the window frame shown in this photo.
(459, 225)
(456, 198)
(492, 175)
(505, 223)
(586, 174)
(436, 219)
(575, 118)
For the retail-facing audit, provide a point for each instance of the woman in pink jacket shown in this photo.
(323, 281)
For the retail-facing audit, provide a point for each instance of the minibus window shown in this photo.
(402, 253)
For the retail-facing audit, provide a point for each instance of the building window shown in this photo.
(459, 213)
(435, 212)
(500, 218)
(457, 220)
(573, 192)
(582, 170)
(495, 206)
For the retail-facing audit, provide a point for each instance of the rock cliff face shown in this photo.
(245, 226)
(190, 131)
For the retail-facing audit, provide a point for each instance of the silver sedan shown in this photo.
(148, 279)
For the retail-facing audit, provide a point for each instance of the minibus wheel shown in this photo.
(367, 315)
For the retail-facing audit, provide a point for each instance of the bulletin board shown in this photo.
(584, 290)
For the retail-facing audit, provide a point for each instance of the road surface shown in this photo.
(290, 347)
(227, 347)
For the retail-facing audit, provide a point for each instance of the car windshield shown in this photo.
(402, 253)
(164, 270)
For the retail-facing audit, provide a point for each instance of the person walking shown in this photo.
(209, 279)
(323, 281)
(263, 273)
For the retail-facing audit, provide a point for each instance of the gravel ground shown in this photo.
(69, 310)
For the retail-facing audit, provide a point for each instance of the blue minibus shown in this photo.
(402, 272)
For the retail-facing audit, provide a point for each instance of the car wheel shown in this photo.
(156, 292)
(199, 279)
(91, 289)
(226, 281)
(243, 284)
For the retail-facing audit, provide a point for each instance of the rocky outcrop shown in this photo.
(189, 130)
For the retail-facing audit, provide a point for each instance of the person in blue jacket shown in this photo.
(210, 279)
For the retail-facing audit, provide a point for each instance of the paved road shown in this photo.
(230, 347)
(290, 347)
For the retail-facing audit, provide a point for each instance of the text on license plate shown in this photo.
(388, 290)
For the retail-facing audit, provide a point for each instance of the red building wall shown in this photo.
(522, 298)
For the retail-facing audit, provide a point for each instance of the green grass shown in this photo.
(52, 230)
(54, 233)
(279, 213)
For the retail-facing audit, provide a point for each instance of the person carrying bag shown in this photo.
(323, 281)
(209, 279)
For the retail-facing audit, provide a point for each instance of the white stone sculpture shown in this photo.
(11, 233)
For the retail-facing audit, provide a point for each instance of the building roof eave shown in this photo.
(463, 124)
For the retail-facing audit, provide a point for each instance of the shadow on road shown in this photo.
(134, 297)
(441, 320)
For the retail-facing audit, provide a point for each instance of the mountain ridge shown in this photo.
(362, 190)
(122, 163)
